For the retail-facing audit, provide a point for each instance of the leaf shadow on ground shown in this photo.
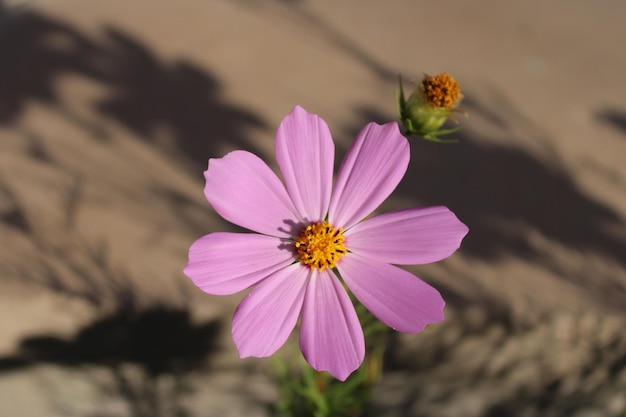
(544, 366)
(150, 346)
(614, 118)
(504, 191)
(159, 339)
(145, 93)
(149, 355)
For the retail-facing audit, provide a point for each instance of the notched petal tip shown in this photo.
(373, 167)
(305, 155)
(225, 263)
(331, 337)
(268, 314)
(396, 297)
(408, 237)
(243, 189)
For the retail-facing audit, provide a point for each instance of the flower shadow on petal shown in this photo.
(294, 229)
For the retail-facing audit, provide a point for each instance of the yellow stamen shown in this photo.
(442, 90)
(320, 245)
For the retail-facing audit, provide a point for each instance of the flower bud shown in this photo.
(432, 103)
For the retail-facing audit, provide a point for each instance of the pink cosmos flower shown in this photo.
(309, 237)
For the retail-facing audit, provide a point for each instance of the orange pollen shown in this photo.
(442, 90)
(320, 245)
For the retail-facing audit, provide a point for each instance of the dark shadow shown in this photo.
(150, 356)
(11, 212)
(148, 95)
(34, 52)
(159, 340)
(613, 118)
(490, 186)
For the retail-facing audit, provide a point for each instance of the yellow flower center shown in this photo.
(320, 245)
(442, 90)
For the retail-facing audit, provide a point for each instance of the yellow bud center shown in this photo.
(442, 90)
(320, 245)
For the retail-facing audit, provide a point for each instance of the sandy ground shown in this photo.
(109, 111)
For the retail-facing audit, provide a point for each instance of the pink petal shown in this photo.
(226, 263)
(245, 191)
(398, 298)
(408, 237)
(331, 337)
(371, 170)
(266, 317)
(305, 153)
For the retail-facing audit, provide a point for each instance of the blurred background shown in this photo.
(109, 111)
